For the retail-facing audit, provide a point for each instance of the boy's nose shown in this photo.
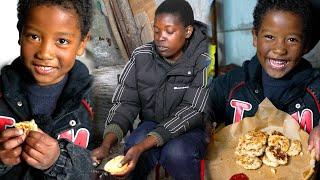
(162, 36)
(45, 51)
(280, 48)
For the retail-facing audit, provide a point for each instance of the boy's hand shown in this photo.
(131, 158)
(98, 154)
(314, 141)
(41, 151)
(10, 146)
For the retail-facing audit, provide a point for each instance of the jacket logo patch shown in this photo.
(305, 119)
(182, 87)
(81, 138)
(6, 122)
(239, 108)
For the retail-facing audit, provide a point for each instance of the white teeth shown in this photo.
(45, 68)
(278, 63)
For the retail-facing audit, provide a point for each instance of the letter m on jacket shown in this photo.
(6, 122)
(81, 138)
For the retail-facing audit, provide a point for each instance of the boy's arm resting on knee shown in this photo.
(74, 162)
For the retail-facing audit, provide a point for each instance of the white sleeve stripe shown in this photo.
(181, 123)
(193, 105)
(203, 104)
(120, 88)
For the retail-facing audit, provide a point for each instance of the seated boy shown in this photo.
(165, 82)
(48, 85)
(280, 32)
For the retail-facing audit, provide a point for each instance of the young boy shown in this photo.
(165, 82)
(280, 32)
(48, 85)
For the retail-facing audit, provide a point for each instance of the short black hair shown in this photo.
(83, 8)
(302, 8)
(180, 8)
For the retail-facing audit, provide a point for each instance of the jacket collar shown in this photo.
(299, 78)
(15, 76)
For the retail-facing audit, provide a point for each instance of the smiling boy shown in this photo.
(281, 35)
(47, 84)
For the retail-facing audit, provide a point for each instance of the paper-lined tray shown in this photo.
(221, 161)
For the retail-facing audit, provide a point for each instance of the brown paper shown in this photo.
(221, 162)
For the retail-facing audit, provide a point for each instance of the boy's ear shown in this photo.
(254, 37)
(189, 31)
(83, 45)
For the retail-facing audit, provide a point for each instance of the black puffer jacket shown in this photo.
(172, 95)
(70, 123)
(237, 94)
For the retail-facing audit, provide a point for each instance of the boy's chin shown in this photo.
(276, 74)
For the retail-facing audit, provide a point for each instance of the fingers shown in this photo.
(12, 143)
(30, 160)
(98, 154)
(31, 152)
(10, 133)
(37, 142)
(12, 156)
(317, 147)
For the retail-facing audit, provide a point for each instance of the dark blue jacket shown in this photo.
(238, 93)
(70, 122)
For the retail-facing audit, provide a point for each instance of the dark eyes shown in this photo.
(34, 37)
(268, 36)
(63, 41)
(293, 40)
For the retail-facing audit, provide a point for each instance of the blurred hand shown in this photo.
(134, 153)
(131, 158)
(41, 151)
(10, 146)
(314, 141)
(98, 154)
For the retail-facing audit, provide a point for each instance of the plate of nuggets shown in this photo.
(257, 147)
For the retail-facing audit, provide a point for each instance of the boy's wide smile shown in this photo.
(278, 64)
(43, 70)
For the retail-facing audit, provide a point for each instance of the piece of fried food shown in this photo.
(279, 141)
(275, 154)
(241, 151)
(249, 162)
(252, 144)
(27, 126)
(114, 166)
(295, 147)
(257, 137)
(268, 162)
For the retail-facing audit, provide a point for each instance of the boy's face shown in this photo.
(50, 41)
(170, 35)
(279, 42)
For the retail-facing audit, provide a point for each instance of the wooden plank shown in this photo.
(126, 24)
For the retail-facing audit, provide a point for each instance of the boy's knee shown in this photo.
(178, 152)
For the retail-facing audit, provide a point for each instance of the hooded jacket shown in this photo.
(238, 94)
(70, 122)
(173, 95)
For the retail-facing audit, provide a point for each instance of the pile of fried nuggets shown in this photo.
(257, 147)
